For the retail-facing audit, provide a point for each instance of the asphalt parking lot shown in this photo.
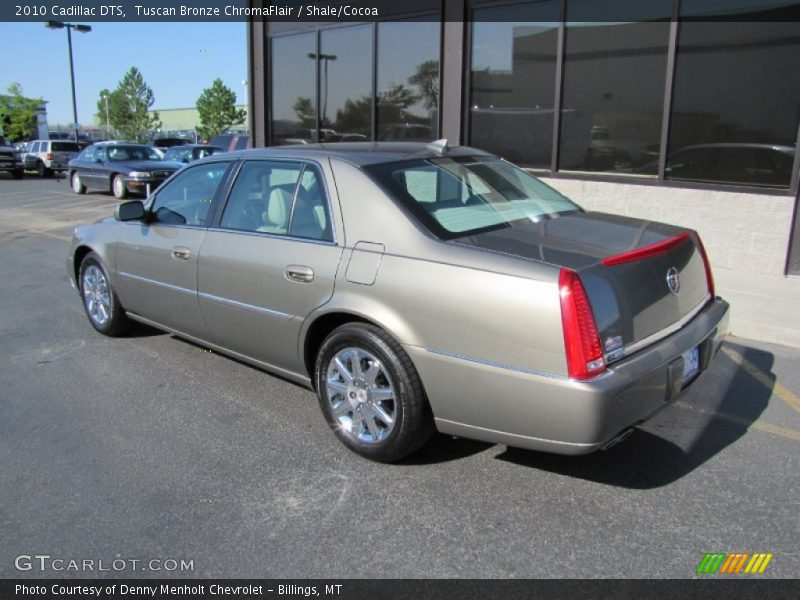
(149, 447)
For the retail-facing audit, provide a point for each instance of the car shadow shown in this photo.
(140, 330)
(444, 448)
(708, 426)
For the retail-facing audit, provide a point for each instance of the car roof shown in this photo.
(361, 153)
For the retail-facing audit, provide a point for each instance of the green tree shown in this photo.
(216, 107)
(18, 113)
(128, 108)
(426, 78)
(305, 112)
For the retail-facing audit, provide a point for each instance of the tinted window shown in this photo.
(408, 80)
(279, 198)
(735, 82)
(120, 153)
(345, 71)
(185, 200)
(89, 153)
(294, 88)
(512, 92)
(456, 197)
(262, 196)
(242, 142)
(64, 147)
(614, 78)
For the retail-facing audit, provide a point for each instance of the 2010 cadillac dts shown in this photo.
(414, 287)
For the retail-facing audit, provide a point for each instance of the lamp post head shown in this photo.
(55, 25)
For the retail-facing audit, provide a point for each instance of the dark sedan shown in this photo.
(121, 167)
(190, 152)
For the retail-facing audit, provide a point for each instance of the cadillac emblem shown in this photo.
(673, 280)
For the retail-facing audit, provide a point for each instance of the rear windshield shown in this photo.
(460, 196)
(64, 147)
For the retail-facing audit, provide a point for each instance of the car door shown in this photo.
(156, 260)
(269, 260)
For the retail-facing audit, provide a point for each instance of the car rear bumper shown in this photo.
(493, 403)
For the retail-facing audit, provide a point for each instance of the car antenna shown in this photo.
(439, 146)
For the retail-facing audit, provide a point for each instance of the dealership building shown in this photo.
(685, 111)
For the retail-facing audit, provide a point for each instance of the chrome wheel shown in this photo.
(361, 395)
(77, 186)
(118, 188)
(96, 295)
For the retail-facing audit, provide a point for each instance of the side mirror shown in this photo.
(129, 211)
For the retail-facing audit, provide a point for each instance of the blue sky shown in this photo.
(177, 61)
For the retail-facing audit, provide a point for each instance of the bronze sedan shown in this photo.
(415, 287)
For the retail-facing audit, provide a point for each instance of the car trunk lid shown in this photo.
(643, 279)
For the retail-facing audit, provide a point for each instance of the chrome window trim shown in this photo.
(276, 236)
(244, 305)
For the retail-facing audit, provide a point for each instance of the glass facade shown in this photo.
(613, 88)
(408, 80)
(293, 89)
(371, 81)
(736, 101)
(512, 80)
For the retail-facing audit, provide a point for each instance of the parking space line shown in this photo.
(791, 434)
(764, 379)
(44, 232)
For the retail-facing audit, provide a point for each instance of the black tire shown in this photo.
(413, 420)
(17, 174)
(118, 187)
(77, 184)
(43, 170)
(117, 322)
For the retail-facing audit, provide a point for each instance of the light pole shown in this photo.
(326, 58)
(108, 126)
(69, 27)
(246, 103)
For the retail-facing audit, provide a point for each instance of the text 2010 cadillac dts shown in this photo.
(415, 287)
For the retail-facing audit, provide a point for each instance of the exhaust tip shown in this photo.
(617, 439)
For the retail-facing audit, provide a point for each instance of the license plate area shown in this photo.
(691, 364)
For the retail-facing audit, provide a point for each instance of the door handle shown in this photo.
(299, 273)
(181, 253)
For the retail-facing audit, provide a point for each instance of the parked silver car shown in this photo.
(414, 287)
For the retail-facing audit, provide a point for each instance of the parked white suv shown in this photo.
(49, 156)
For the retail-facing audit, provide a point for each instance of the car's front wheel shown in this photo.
(77, 184)
(119, 188)
(17, 174)
(371, 394)
(99, 299)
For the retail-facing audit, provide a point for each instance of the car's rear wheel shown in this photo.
(119, 188)
(77, 184)
(99, 299)
(43, 170)
(371, 394)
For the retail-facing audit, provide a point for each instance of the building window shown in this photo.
(735, 105)
(293, 88)
(512, 81)
(345, 87)
(408, 80)
(613, 88)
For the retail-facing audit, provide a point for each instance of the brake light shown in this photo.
(709, 274)
(581, 338)
(49, 156)
(646, 251)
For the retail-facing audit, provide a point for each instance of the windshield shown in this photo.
(460, 196)
(118, 153)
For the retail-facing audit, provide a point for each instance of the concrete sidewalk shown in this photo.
(763, 308)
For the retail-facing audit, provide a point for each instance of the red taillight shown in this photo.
(709, 275)
(646, 251)
(581, 338)
(49, 156)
